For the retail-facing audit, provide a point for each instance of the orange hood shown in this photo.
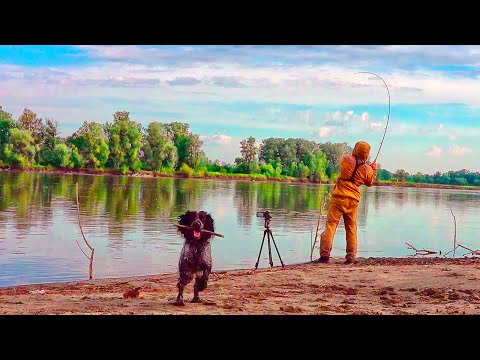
(361, 150)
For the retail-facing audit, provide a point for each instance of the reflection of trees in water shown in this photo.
(281, 200)
(363, 207)
(278, 196)
(116, 203)
(158, 197)
(189, 195)
(111, 201)
(244, 201)
(28, 197)
(400, 197)
(377, 195)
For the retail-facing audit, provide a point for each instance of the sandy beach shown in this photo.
(371, 286)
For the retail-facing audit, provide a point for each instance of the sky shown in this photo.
(227, 93)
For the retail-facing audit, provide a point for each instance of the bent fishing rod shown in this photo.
(388, 116)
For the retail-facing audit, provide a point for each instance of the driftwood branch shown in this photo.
(455, 234)
(421, 251)
(90, 268)
(204, 231)
(472, 252)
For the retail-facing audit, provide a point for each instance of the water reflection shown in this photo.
(129, 222)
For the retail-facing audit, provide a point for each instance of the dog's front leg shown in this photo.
(184, 279)
(200, 285)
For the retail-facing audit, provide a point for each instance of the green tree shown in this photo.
(418, 178)
(159, 150)
(401, 175)
(124, 142)
(249, 152)
(29, 121)
(267, 170)
(318, 166)
(50, 138)
(20, 150)
(443, 179)
(91, 142)
(60, 156)
(195, 152)
(6, 123)
(77, 161)
(459, 181)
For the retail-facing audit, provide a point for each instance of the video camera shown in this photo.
(264, 214)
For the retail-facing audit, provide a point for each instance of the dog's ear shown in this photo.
(184, 219)
(209, 223)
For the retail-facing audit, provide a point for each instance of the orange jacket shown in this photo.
(364, 175)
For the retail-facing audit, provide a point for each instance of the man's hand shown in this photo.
(374, 165)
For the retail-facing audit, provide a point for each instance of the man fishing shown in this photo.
(354, 172)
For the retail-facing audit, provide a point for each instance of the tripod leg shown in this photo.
(261, 246)
(277, 250)
(270, 249)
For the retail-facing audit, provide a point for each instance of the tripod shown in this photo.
(269, 234)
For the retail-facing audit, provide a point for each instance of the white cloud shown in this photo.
(375, 126)
(339, 118)
(459, 150)
(324, 131)
(216, 139)
(452, 135)
(434, 151)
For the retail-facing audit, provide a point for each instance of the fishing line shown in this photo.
(388, 116)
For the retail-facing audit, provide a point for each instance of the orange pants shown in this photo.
(349, 209)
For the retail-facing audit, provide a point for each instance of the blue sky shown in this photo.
(227, 93)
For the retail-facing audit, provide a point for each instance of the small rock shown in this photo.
(37, 292)
(351, 291)
(133, 293)
(291, 309)
(453, 296)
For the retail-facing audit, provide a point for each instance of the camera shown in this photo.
(264, 214)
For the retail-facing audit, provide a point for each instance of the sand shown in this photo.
(371, 286)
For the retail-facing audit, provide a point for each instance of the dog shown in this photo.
(196, 255)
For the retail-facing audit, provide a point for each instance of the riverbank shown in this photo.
(219, 176)
(371, 286)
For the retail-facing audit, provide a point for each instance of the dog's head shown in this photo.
(196, 221)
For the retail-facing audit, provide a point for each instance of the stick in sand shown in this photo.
(455, 234)
(90, 269)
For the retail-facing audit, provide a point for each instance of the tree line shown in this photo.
(124, 145)
(462, 177)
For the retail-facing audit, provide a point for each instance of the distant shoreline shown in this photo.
(217, 176)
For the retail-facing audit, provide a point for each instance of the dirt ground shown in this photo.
(371, 286)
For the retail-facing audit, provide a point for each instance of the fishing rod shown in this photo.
(388, 116)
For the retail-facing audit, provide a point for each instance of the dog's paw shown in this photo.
(179, 303)
(196, 300)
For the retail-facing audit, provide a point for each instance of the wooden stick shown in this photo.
(90, 268)
(455, 235)
(476, 252)
(205, 231)
(421, 251)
